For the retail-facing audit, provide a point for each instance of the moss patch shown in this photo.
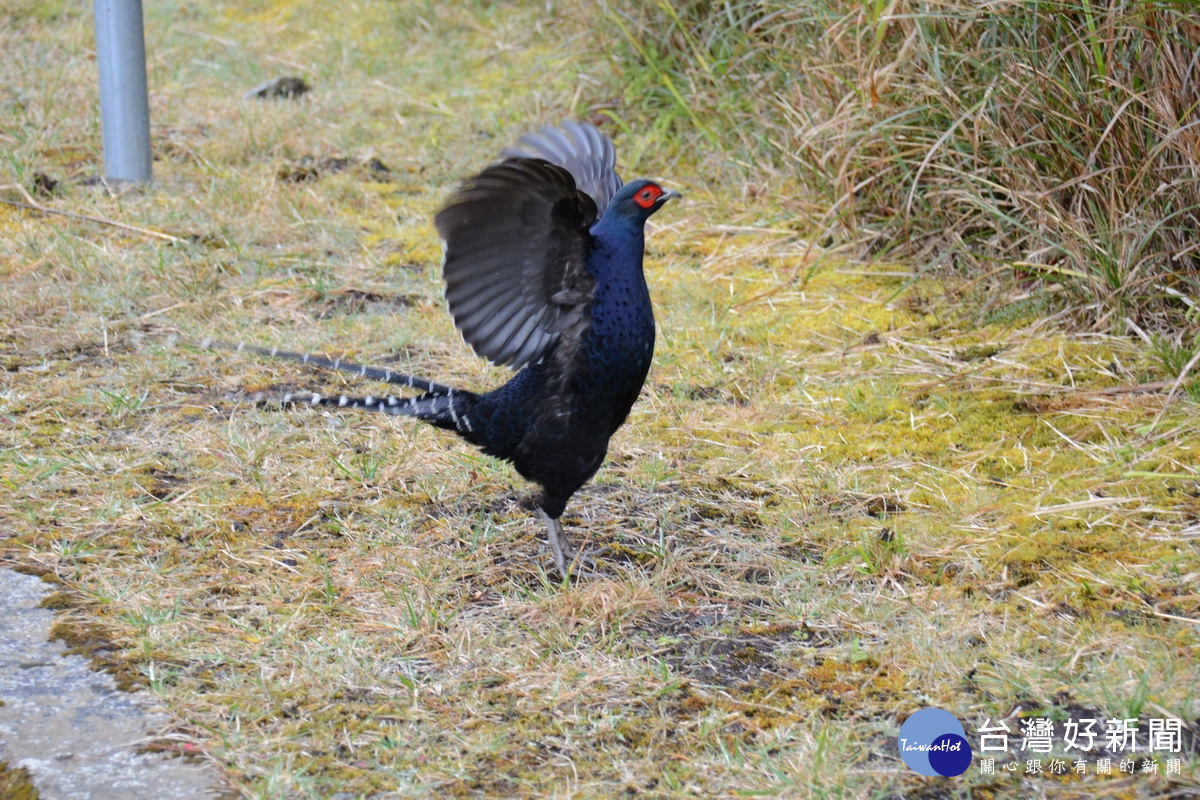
(93, 641)
(17, 784)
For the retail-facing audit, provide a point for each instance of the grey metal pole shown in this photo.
(124, 108)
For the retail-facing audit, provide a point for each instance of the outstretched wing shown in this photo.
(517, 241)
(582, 150)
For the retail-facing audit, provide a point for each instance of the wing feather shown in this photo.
(582, 150)
(517, 240)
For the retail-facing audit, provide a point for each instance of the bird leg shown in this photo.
(553, 532)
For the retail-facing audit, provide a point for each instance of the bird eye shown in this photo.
(646, 197)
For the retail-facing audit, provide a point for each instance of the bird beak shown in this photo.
(668, 195)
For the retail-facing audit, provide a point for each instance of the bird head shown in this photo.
(639, 199)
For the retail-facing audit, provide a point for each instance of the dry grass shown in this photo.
(833, 505)
(1051, 143)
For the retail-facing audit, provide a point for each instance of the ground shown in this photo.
(850, 490)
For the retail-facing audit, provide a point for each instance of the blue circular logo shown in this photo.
(932, 742)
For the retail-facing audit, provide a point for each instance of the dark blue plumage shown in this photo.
(537, 280)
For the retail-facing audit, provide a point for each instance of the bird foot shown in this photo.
(586, 563)
(569, 562)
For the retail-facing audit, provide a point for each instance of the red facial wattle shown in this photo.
(646, 197)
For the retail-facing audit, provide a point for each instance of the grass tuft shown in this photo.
(1050, 143)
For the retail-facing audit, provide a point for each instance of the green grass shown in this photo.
(838, 500)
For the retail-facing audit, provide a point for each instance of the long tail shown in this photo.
(373, 373)
(450, 409)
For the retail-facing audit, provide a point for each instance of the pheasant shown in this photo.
(543, 274)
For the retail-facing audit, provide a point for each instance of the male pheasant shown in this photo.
(538, 280)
